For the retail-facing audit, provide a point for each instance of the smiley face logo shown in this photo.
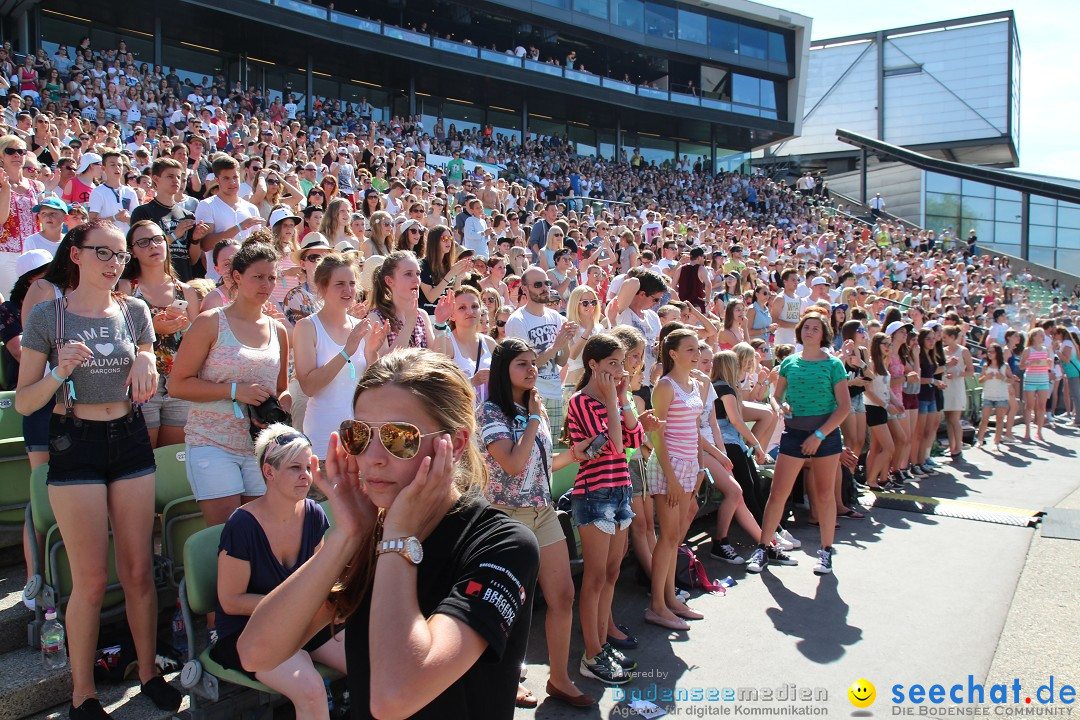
(862, 693)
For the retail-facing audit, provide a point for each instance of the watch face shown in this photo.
(415, 550)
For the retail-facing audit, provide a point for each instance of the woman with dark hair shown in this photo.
(405, 482)
(440, 267)
(173, 307)
(101, 463)
(233, 359)
(517, 445)
(734, 331)
(372, 203)
(395, 295)
(837, 318)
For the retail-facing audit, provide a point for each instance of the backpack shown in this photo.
(690, 573)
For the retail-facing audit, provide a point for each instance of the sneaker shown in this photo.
(726, 553)
(824, 561)
(930, 463)
(917, 472)
(90, 710)
(682, 595)
(778, 556)
(929, 469)
(617, 655)
(604, 669)
(162, 694)
(780, 542)
(790, 539)
(758, 560)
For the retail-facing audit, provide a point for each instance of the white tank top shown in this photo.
(334, 403)
(790, 313)
(471, 367)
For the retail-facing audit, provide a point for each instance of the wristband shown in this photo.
(440, 326)
(628, 407)
(819, 435)
(235, 406)
(352, 368)
(535, 417)
(239, 229)
(65, 381)
(56, 377)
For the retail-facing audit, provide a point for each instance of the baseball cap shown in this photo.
(818, 281)
(898, 325)
(932, 325)
(87, 160)
(32, 260)
(51, 201)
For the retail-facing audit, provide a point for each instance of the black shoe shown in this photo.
(90, 710)
(162, 694)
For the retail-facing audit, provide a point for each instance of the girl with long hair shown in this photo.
(881, 403)
(331, 348)
(405, 481)
(371, 204)
(600, 500)
(440, 267)
(1014, 349)
(173, 307)
(233, 359)
(336, 224)
(496, 271)
(517, 445)
(911, 356)
(928, 419)
(958, 367)
(18, 196)
(673, 469)
(382, 235)
(470, 350)
(583, 308)
(395, 299)
(734, 331)
(1036, 363)
(814, 385)
(221, 256)
(101, 462)
(995, 379)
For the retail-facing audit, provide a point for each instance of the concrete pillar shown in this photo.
(309, 82)
(412, 94)
(157, 40)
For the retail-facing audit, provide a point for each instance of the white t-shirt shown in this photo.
(107, 201)
(649, 325)
(474, 238)
(539, 331)
(37, 241)
(216, 213)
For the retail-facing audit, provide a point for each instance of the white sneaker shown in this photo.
(795, 542)
(781, 542)
(681, 595)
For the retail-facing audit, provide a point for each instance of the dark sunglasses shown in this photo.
(541, 283)
(590, 303)
(400, 439)
(14, 151)
(500, 323)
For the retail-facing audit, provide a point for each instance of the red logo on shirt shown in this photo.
(474, 588)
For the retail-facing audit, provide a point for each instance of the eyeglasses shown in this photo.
(104, 254)
(14, 151)
(500, 323)
(400, 439)
(313, 257)
(148, 241)
(590, 303)
(540, 283)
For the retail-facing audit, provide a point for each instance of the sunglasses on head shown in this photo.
(400, 439)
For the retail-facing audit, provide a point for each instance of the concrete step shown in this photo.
(14, 616)
(122, 701)
(27, 687)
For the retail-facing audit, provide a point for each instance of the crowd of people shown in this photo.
(313, 305)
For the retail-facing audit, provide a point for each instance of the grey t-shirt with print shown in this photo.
(103, 377)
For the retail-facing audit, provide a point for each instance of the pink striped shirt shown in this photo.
(681, 429)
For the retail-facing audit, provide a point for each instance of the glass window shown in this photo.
(1007, 210)
(596, 8)
(976, 189)
(564, 4)
(944, 205)
(753, 42)
(777, 47)
(1041, 257)
(660, 20)
(628, 14)
(745, 90)
(1041, 236)
(1007, 233)
(1068, 215)
(1041, 200)
(768, 94)
(1041, 214)
(692, 27)
(606, 139)
(462, 117)
(656, 150)
(1068, 258)
(984, 229)
(723, 35)
(936, 182)
(1068, 238)
(977, 208)
(1007, 194)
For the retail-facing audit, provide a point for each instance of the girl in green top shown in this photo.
(815, 387)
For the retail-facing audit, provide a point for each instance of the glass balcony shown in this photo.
(454, 47)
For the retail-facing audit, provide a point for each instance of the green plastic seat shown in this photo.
(14, 491)
(11, 433)
(170, 480)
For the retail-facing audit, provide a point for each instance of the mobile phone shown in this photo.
(596, 446)
(180, 304)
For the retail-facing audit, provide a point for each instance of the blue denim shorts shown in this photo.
(792, 439)
(35, 429)
(995, 403)
(858, 404)
(606, 508)
(927, 406)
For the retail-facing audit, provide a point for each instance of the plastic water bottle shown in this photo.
(53, 650)
(728, 582)
(179, 632)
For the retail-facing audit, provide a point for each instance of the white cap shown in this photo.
(818, 281)
(282, 214)
(87, 160)
(896, 325)
(32, 260)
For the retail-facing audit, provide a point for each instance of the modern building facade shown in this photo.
(702, 79)
(949, 89)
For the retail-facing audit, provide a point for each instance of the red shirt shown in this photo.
(586, 417)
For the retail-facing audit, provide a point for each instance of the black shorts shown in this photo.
(224, 650)
(876, 416)
(645, 393)
(98, 452)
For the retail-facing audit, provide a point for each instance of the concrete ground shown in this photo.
(915, 599)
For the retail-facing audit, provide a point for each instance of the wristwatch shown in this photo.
(819, 435)
(407, 547)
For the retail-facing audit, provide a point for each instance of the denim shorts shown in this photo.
(216, 473)
(927, 406)
(858, 404)
(35, 429)
(98, 452)
(792, 439)
(606, 508)
(995, 403)
(164, 409)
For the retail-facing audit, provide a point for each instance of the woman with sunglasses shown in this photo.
(261, 546)
(173, 307)
(758, 318)
(498, 325)
(554, 243)
(470, 349)
(440, 267)
(372, 203)
(329, 185)
(517, 446)
(232, 359)
(418, 563)
(101, 463)
(583, 308)
(18, 196)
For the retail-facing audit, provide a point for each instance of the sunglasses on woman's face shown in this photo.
(500, 323)
(400, 439)
(15, 151)
(590, 303)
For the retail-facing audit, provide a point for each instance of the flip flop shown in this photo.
(851, 514)
(815, 523)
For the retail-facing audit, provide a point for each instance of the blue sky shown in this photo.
(1049, 93)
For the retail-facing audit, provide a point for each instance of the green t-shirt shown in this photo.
(456, 170)
(810, 384)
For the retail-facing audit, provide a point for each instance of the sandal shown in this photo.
(851, 514)
(815, 523)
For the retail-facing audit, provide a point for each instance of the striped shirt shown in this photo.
(681, 428)
(586, 418)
